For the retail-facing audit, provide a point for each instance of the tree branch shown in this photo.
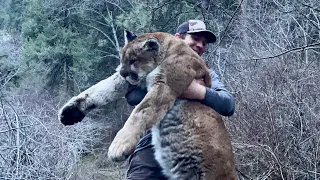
(310, 46)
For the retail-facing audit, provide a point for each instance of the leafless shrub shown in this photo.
(272, 67)
(35, 145)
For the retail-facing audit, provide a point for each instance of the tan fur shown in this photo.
(178, 65)
(210, 134)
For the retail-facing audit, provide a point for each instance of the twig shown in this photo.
(226, 29)
(285, 52)
(21, 127)
(309, 6)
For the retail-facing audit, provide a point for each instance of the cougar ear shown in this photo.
(151, 44)
(128, 36)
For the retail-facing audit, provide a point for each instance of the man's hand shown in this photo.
(196, 90)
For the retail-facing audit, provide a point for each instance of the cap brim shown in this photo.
(211, 38)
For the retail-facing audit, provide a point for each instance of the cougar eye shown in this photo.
(132, 61)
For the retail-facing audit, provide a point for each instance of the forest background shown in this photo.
(267, 54)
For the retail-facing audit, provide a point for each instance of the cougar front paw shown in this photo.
(70, 115)
(122, 145)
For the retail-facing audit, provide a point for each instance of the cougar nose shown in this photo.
(124, 73)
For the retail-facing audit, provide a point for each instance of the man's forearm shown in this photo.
(221, 101)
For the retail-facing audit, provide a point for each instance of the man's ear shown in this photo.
(129, 36)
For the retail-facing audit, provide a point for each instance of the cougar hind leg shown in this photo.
(175, 150)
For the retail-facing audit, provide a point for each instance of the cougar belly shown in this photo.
(175, 149)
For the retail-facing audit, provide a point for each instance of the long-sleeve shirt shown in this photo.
(217, 97)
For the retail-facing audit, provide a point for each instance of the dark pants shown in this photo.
(143, 166)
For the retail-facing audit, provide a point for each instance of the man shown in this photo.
(143, 165)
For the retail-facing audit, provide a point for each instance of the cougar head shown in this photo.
(139, 56)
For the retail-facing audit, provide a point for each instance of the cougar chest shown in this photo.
(155, 76)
